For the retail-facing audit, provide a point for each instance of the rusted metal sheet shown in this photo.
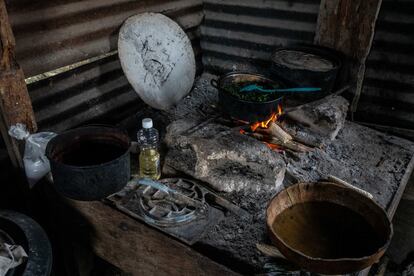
(53, 34)
(388, 93)
(94, 93)
(83, 95)
(238, 34)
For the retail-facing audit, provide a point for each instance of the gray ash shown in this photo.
(235, 238)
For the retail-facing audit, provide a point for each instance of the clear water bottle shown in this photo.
(149, 156)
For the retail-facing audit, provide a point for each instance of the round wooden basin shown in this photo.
(327, 228)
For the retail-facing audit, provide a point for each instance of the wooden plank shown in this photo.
(15, 104)
(403, 239)
(392, 207)
(348, 26)
(139, 249)
(398, 195)
(409, 191)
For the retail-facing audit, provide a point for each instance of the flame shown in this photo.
(265, 124)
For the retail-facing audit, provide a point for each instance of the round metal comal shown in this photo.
(157, 58)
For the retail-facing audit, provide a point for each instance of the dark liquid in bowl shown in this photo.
(327, 230)
(89, 153)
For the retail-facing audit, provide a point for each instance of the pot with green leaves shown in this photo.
(253, 97)
(250, 105)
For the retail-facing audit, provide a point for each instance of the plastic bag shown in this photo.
(36, 164)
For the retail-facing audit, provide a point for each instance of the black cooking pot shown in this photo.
(296, 69)
(244, 110)
(89, 163)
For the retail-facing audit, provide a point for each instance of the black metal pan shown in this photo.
(245, 110)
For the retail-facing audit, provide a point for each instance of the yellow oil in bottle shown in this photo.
(149, 163)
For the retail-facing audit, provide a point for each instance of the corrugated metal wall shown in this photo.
(238, 31)
(94, 93)
(388, 94)
(83, 95)
(52, 34)
(235, 34)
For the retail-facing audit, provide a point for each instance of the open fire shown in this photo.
(273, 135)
(272, 119)
(258, 126)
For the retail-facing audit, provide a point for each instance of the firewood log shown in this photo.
(276, 131)
(290, 144)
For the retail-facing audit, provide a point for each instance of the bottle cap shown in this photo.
(147, 123)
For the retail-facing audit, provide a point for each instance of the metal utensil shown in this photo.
(255, 87)
(171, 192)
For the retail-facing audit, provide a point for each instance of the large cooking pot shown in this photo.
(89, 163)
(327, 228)
(249, 111)
(307, 66)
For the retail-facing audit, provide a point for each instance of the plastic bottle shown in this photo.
(149, 157)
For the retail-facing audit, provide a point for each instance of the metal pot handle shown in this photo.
(214, 83)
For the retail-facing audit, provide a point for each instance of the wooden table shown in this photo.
(139, 249)
(142, 250)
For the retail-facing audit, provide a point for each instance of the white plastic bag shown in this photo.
(36, 164)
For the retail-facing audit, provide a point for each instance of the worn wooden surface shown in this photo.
(15, 104)
(139, 249)
(399, 224)
(348, 26)
(403, 241)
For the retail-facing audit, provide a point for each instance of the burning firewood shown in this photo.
(292, 145)
(272, 134)
(276, 131)
(288, 144)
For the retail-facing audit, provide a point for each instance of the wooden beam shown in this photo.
(15, 103)
(139, 249)
(348, 26)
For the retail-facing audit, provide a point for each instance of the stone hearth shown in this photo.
(245, 171)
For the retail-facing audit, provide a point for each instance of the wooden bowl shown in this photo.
(327, 228)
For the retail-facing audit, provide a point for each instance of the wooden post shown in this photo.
(348, 26)
(15, 104)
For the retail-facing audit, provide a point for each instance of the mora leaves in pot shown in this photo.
(251, 96)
